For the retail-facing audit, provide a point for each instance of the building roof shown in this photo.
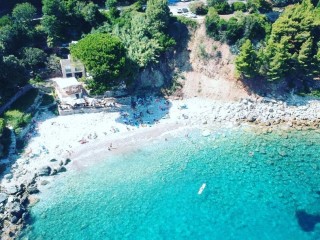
(72, 64)
(66, 82)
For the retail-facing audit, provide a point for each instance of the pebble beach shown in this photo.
(59, 143)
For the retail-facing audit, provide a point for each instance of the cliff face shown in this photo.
(201, 65)
(160, 74)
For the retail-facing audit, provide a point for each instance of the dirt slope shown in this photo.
(211, 70)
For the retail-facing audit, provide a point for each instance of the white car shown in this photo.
(179, 10)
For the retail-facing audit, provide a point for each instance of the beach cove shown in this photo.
(89, 139)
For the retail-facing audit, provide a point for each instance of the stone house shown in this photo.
(69, 90)
(72, 68)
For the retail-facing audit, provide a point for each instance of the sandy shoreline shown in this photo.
(100, 134)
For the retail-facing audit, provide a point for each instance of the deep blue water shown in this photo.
(257, 187)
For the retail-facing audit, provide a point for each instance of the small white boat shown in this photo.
(203, 186)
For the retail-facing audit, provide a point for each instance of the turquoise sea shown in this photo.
(258, 186)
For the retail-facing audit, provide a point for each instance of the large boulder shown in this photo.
(3, 197)
(32, 189)
(12, 190)
(61, 169)
(44, 171)
(67, 161)
(15, 209)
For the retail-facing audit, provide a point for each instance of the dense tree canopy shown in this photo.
(247, 60)
(238, 28)
(144, 35)
(293, 44)
(33, 58)
(65, 20)
(104, 56)
(291, 52)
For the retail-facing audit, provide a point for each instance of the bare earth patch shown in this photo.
(211, 74)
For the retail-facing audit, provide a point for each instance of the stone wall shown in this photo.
(21, 92)
(86, 110)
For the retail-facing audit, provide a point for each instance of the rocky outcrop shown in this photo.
(44, 171)
(15, 200)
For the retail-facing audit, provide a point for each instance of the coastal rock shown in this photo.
(250, 117)
(8, 176)
(44, 171)
(25, 216)
(14, 219)
(61, 169)
(24, 200)
(12, 190)
(67, 161)
(3, 197)
(32, 189)
(44, 182)
(54, 172)
(15, 209)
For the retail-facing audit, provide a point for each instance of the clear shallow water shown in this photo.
(255, 185)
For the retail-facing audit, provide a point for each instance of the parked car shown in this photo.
(179, 10)
(185, 10)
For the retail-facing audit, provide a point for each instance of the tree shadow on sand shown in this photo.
(144, 110)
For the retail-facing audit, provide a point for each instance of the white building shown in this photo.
(69, 90)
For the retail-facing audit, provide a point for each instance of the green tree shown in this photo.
(260, 6)
(247, 60)
(279, 59)
(292, 46)
(198, 8)
(239, 6)
(4, 21)
(104, 56)
(17, 119)
(140, 47)
(2, 126)
(305, 57)
(23, 14)
(52, 26)
(92, 15)
(158, 16)
(12, 74)
(33, 58)
(212, 23)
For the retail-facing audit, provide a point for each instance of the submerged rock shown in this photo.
(44, 182)
(206, 133)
